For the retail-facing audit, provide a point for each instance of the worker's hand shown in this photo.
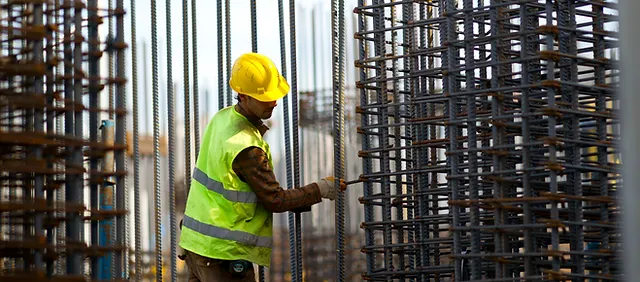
(328, 189)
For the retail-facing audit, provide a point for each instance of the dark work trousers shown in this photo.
(203, 269)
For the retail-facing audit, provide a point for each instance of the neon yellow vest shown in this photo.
(223, 219)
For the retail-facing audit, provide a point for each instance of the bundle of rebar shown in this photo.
(52, 93)
(489, 140)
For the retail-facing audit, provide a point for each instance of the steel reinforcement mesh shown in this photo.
(489, 132)
(62, 142)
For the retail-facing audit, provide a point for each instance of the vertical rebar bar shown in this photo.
(295, 128)
(221, 74)
(366, 162)
(136, 146)
(187, 107)
(73, 224)
(227, 32)
(449, 83)
(60, 193)
(50, 129)
(254, 26)
(38, 88)
(471, 133)
(526, 136)
(397, 158)
(601, 128)
(429, 86)
(383, 138)
(171, 149)
(421, 154)
(156, 140)
(410, 89)
(120, 157)
(94, 71)
(110, 93)
(553, 175)
(196, 93)
(287, 139)
(76, 127)
(338, 57)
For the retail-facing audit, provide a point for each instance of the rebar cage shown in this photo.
(62, 160)
(488, 139)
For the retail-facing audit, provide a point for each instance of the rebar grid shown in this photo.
(52, 152)
(488, 139)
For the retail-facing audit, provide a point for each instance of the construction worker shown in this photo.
(228, 221)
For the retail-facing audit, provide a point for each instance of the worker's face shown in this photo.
(262, 110)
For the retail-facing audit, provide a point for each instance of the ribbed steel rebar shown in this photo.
(411, 86)
(78, 119)
(38, 87)
(383, 120)
(338, 58)
(397, 134)
(196, 93)
(227, 32)
(221, 74)
(472, 134)
(171, 150)
(100, 264)
(125, 272)
(369, 215)
(136, 147)
(187, 107)
(120, 139)
(156, 144)
(287, 145)
(526, 153)
(451, 108)
(552, 130)
(60, 193)
(295, 128)
(73, 223)
(51, 130)
(110, 61)
(254, 26)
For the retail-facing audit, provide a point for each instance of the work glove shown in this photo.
(328, 189)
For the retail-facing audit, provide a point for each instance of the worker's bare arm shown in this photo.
(252, 166)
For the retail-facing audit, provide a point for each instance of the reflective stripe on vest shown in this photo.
(233, 235)
(217, 187)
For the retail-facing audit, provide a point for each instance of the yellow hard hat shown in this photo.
(256, 76)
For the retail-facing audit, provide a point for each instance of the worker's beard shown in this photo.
(267, 114)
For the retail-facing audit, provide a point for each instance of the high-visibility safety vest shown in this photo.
(223, 219)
